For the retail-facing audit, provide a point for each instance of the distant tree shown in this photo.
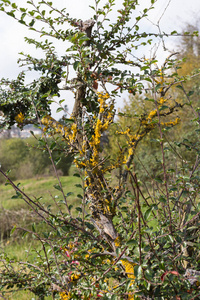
(26, 158)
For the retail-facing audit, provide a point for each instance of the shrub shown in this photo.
(125, 240)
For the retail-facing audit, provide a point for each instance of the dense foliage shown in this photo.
(136, 233)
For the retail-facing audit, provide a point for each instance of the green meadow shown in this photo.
(14, 211)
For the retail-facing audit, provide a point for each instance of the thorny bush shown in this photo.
(127, 239)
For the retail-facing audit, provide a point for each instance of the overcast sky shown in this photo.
(177, 14)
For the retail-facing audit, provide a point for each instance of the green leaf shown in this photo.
(32, 23)
(118, 251)
(22, 22)
(179, 87)
(82, 40)
(57, 187)
(69, 120)
(24, 234)
(33, 227)
(158, 179)
(53, 145)
(61, 101)
(58, 233)
(185, 193)
(114, 297)
(79, 209)
(190, 93)
(138, 18)
(59, 109)
(121, 114)
(147, 213)
(11, 13)
(13, 230)
(162, 199)
(136, 270)
(69, 194)
(132, 243)
(144, 68)
(78, 185)
(92, 7)
(76, 64)
(57, 160)
(76, 175)
(14, 5)
(17, 196)
(158, 86)
(163, 107)
(148, 99)
(70, 207)
(170, 238)
(140, 272)
(89, 225)
(149, 80)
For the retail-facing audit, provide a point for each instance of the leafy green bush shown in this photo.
(131, 236)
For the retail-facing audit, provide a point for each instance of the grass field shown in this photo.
(14, 211)
(35, 188)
